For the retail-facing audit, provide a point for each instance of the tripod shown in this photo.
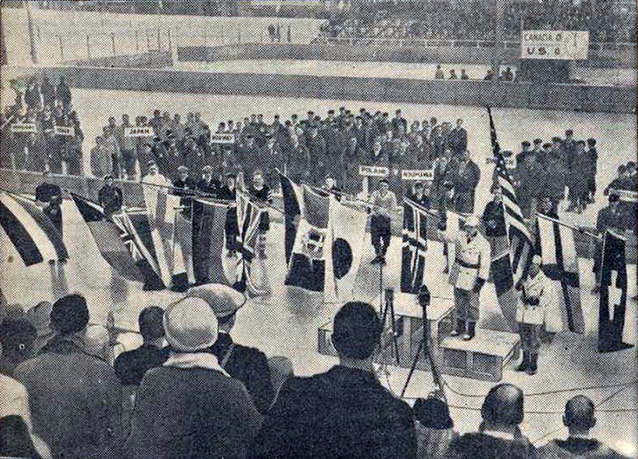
(389, 307)
(424, 301)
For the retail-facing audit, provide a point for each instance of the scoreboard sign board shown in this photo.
(566, 45)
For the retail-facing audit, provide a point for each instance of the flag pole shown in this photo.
(567, 225)
(20, 195)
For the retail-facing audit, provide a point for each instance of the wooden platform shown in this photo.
(482, 358)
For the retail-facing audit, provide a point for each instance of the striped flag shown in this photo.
(30, 231)
(506, 271)
(208, 220)
(311, 256)
(612, 330)
(415, 225)
(293, 204)
(560, 264)
(249, 215)
(120, 243)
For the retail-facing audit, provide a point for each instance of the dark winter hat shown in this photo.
(569, 132)
(433, 413)
(591, 142)
(17, 333)
(538, 141)
(556, 139)
(525, 143)
(70, 314)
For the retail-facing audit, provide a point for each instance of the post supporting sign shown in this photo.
(222, 138)
(568, 45)
(417, 174)
(373, 171)
(138, 131)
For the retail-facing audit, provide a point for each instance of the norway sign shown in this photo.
(566, 45)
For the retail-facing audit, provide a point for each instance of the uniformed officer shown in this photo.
(536, 294)
(611, 217)
(208, 184)
(247, 364)
(229, 193)
(384, 204)
(110, 197)
(495, 227)
(469, 272)
(49, 196)
(184, 186)
(420, 195)
(263, 193)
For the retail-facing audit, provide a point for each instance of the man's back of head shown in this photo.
(150, 323)
(356, 331)
(579, 415)
(503, 406)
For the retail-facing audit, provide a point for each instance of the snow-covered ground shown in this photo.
(286, 322)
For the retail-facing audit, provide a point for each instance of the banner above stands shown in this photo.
(138, 131)
(417, 174)
(222, 138)
(373, 171)
(566, 45)
(65, 130)
(28, 128)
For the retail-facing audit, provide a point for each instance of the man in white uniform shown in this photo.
(469, 272)
(536, 293)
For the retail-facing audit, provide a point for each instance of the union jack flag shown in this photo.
(249, 215)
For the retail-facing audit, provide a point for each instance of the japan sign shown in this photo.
(566, 45)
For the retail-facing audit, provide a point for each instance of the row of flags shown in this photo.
(162, 246)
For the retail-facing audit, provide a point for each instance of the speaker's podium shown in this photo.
(408, 330)
(480, 358)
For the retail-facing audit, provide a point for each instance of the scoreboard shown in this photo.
(567, 45)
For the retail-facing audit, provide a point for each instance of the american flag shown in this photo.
(518, 233)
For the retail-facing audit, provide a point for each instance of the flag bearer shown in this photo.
(536, 294)
(469, 272)
(384, 204)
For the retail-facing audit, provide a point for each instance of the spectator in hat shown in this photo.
(537, 150)
(131, 366)
(75, 398)
(457, 138)
(464, 75)
(110, 197)
(344, 411)
(525, 150)
(434, 427)
(17, 335)
(580, 419)
(439, 75)
(247, 364)
(499, 435)
(579, 173)
(453, 75)
(40, 316)
(190, 407)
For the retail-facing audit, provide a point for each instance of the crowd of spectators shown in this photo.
(476, 20)
(75, 389)
(45, 107)
(307, 149)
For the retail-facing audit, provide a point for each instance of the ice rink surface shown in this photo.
(286, 322)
